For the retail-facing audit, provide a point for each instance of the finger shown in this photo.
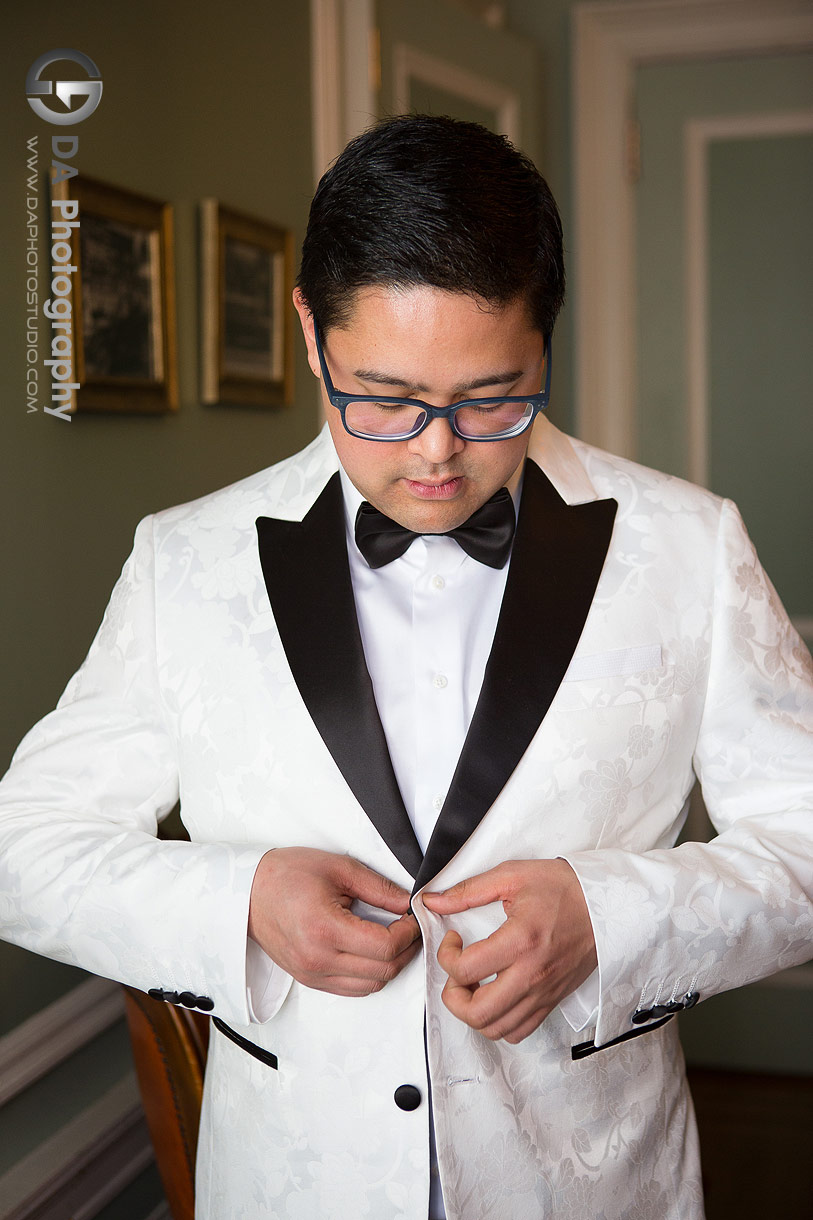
(527, 1028)
(358, 881)
(368, 939)
(493, 1001)
(517, 1024)
(478, 891)
(497, 1010)
(348, 986)
(482, 958)
(449, 952)
(346, 974)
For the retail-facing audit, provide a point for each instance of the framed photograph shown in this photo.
(247, 336)
(123, 299)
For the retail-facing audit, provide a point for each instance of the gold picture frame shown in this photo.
(122, 299)
(246, 331)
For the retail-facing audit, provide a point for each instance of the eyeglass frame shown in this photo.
(341, 401)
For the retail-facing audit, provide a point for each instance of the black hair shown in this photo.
(426, 199)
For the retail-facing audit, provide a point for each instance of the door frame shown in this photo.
(344, 75)
(699, 135)
(610, 40)
(410, 63)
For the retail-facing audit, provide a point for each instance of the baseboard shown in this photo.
(161, 1212)
(41, 1043)
(84, 1166)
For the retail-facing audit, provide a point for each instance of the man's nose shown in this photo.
(437, 443)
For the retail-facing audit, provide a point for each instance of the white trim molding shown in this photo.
(343, 75)
(85, 1165)
(699, 134)
(413, 64)
(345, 71)
(41, 1043)
(610, 41)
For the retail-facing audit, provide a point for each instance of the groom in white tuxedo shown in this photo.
(434, 693)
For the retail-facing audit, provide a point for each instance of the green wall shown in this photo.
(200, 99)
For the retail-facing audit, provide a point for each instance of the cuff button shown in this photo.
(640, 1015)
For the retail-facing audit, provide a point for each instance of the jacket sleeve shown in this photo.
(83, 878)
(674, 925)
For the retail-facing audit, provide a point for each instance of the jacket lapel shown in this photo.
(307, 576)
(558, 555)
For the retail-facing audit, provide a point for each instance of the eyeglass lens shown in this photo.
(372, 418)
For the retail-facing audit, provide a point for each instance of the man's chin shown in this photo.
(436, 517)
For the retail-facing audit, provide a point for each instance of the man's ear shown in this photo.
(306, 320)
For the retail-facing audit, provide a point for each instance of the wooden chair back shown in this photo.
(169, 1048)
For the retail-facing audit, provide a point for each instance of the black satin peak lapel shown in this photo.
(557, 559)
(307, 576)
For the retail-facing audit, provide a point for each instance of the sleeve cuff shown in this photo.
(580, 1008)
(267, 984)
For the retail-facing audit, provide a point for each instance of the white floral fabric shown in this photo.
(187, 690)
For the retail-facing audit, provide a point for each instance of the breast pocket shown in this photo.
(619, 678)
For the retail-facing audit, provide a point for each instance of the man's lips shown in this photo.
(428, 489)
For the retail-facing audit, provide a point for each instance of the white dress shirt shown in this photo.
(427, 623)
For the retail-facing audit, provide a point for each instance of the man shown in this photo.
(436, 773)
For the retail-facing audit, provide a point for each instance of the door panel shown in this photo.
(751, 246)
(760, 340)
(441, 60)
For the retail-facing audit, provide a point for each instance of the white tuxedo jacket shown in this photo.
(639, 642)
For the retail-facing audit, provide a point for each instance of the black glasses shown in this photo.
(380, 418)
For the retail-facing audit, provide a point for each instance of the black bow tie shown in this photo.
(486, 536)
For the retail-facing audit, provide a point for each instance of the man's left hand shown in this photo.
(543, 951)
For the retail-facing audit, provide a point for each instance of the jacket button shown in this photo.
(640, 1015)
(691, 999)
(205, 1004)
(187, 999)
(407, 1097)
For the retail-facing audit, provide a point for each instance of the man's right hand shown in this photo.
(300, 915)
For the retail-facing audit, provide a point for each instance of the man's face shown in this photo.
(440, 347)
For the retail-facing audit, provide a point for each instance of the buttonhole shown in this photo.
(462, 1080)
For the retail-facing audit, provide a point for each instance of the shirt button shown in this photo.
(438, 582)
(437, 803)
(440, 680)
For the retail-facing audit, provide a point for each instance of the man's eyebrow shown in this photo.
(377, 377)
